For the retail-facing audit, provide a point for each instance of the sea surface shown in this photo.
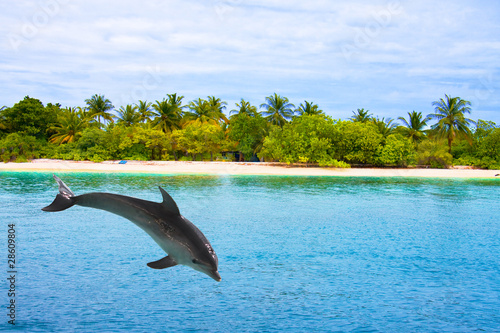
(296, 254)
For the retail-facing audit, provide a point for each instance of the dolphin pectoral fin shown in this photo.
(162, 263)
(169, 203)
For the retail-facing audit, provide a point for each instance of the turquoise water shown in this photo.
(296, 254)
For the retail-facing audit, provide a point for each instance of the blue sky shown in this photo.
(390, 57)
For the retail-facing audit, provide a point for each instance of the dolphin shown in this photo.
(183, 242)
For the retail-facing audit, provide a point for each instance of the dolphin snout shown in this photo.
(215, 275)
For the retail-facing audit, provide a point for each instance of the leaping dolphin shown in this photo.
(184, 243)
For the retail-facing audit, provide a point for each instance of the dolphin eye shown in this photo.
(194, 261)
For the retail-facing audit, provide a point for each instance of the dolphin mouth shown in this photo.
(215, 275)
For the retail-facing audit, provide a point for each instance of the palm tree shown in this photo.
(451, 119)
(144, 109)
(99, 106)
(3, 124)
(218, 106)
(198, 111)
(361, 116)
(385, 127)
(206, 111)
(308, 108)
(129, 115)
(278, 110)
(71, 125)
(244, 108)
(176, 102)
(168, 113)
(262, 134)
(414, 127)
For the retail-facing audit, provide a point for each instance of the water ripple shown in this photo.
(296, 254)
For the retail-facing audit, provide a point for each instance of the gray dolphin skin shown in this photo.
(184, 243)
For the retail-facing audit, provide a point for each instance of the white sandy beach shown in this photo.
(239, 168)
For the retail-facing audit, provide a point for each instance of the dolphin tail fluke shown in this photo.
(60, 203)
(63, 200)
(63, 188)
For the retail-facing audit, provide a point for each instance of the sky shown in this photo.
(388, 57)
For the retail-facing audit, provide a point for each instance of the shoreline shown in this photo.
(238, 168)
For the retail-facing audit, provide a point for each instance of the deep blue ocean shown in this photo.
(296, 254)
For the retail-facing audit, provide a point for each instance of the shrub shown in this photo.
(306, 140)
(356, 142)
(397, 150)
(333, 163)
(434, 154)
(19, 148)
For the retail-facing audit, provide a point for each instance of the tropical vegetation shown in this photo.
(171, 128)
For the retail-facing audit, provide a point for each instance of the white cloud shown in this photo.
(385, 55)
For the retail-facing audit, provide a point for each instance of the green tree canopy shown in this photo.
(29, 129)
(247, 130)
(356, 142)
(307, 139)
(396, 151)
(138, 142)
(29, 116)
(153, 140)
(19, 148)
(433, 153)
(198, 138)
(483, 129)
(96, 145)
(488, 145)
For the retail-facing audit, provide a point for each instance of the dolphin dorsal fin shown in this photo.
(169, 203)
